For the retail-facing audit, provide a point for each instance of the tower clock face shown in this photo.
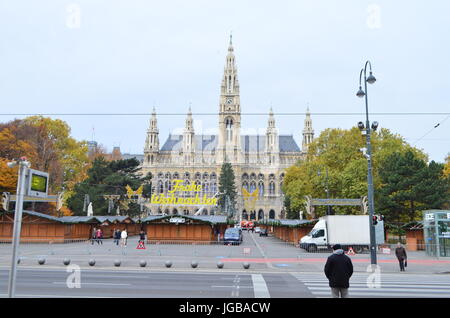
(229, 101)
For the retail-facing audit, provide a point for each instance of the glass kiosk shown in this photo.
(436, 229)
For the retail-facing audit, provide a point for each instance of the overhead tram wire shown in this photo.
(432, 129)
(242, 114)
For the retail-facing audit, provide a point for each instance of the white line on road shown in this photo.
(107, 284)
(260, 287)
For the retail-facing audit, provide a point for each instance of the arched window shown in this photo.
(252, 186)
(261, 189)
(272, 214)
(261, 215)
(245, 185)
(160, 187)
(229, 128)
(271, 188)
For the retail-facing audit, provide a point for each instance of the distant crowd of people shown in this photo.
(118, 236)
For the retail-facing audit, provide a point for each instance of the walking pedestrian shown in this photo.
(338, 269)
(400, 252)
(116, 236)
(99, 236)
(94, 235)
(142, 236)
(124, 236)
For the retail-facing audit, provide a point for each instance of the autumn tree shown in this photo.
(338, 150)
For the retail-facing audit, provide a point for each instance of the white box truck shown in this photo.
(346, 230)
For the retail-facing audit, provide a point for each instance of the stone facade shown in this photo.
(258, 161)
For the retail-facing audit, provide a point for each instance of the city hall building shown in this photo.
(258, 161)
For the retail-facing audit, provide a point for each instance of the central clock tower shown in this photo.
(229, 143)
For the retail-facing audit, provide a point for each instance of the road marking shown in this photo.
(230, 286)
(260, 287)
(393, 286)
(59, 296)
(107, 284)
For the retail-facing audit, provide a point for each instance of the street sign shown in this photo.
(386, 251)
(177, 220)
(429, 217)
(36, 183)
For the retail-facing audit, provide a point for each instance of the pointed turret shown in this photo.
(229, 144)
(272, 145)
(151, 147)
(308, 132)
(188, 138)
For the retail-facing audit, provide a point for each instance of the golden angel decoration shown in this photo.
(131, 192)
(249, 199)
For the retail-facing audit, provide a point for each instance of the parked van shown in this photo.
(232, 236)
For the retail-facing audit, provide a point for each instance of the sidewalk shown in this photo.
(262, 255)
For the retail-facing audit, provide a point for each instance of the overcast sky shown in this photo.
(98, 56)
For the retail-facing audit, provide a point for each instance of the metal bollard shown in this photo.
(246, 265)
(117, 263)
(194, 264)
(219, 265)
(142, 263)
(41, 261)
(168, 264)
(66, 261)
(91, 262)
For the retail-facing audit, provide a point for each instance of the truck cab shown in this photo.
(316, 239)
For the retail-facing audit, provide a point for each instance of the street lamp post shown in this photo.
(370, 79)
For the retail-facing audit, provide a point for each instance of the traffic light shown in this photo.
(382, 218)
(374, 220)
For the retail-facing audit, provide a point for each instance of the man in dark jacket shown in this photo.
(338, 269)
(400, 252)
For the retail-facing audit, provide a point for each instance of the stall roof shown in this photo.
(78, 219)
(287, 222)
(213, 219)
(42, 215)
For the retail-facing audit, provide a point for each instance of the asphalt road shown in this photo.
(53, 283)
(103, 283)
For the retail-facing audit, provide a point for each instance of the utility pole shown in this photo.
(23, 170)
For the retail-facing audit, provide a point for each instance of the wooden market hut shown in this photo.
(204, 228)
(415, 237)
(290, 231)
(38, 227)
(109, 223)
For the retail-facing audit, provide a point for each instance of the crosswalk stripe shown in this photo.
(360, 294)
(387, 286)
(318, 285)
(377, 290)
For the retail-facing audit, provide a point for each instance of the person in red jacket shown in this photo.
(339, 269)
